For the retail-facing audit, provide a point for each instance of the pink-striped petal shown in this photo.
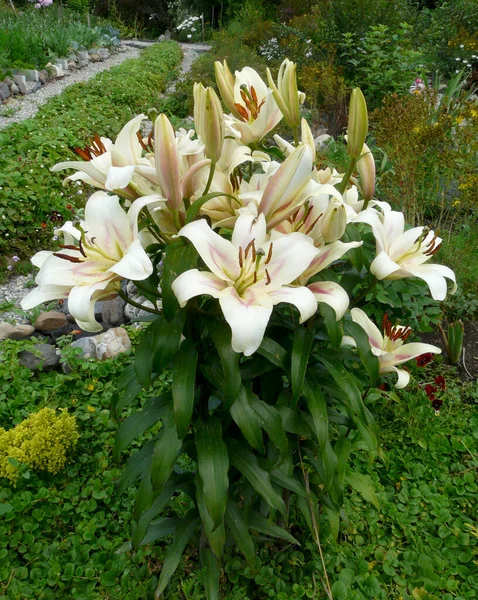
(333, 294)
(302, 298)
(375, 338)
(194, 283)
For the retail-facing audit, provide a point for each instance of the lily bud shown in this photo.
(333, 222)
(286, 94)
(167, 163)
(209, 120)
(225, 82)
(307, 137)
(358, 123)
(366, 169)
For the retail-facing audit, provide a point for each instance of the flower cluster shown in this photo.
(42, 3)
(266, 229)
(42, 441)
(191, 26)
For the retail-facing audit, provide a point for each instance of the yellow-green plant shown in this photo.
(41, 441)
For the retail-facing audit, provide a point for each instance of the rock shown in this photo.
(81, 64)
(4, 91)
(29, 74)
(14, 89)
(82, 55)
(87, 346)
(103, 52)
(112, 314)
(54, 70)
(95, 58)
(71, 65)
(322, 140)
(21, 82)
(49, 321)
(43, 76)
(8, 81)
(112, 343)
(45, 356)
(63, 63)
(15, 332)
(132, 313)
(167, 35)
(162, 38)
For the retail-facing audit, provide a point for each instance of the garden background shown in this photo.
(415, 536)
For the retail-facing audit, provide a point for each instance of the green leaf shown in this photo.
(271, 421)
(289, 483)
(262, 525)
(339, 590)
(274, 353)
(318, 409)
(165, 453)
(363, 485)
(247, 420)
(183, 387)
(237, 525)
(246, 462)
(350, 392)
(221, 336)
(369, 360)
(138, 423)
(136, 465)
(216, 536)
(157, 347)
(158, 530)
(180, 257)
(355, 255)
(184, 532)
(334, 327)
(212, 572)
(213, 466)
(301, 347)
(196, 206)
(293, 421)
(128, 390)
(5, 508)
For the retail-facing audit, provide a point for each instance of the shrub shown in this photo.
(42, 441)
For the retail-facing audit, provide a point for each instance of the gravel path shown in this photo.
(14, 290)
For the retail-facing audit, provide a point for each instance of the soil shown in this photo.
(468, 363)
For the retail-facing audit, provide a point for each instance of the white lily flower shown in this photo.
(249, 275)
(390, 348)
(402, 254)
(91, 264)
(110, 166)
(255, 106)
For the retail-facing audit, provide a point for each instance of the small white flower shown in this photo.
(462, 45)
(189, 35)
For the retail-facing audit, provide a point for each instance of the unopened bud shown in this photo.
(333, 222)
(209, 120)
(366, 169)
(286, 94)
(358, 123)
(225, 83)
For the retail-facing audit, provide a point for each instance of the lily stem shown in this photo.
(296, 131)
(124, 297)
(369, 288)
(209, 179)
(342, 186)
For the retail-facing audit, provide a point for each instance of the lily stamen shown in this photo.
(96, 148)
(73, 259)
(269, 280)
(269, 255)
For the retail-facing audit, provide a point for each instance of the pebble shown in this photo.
(15, 332)
(48, 358)
(49, 321)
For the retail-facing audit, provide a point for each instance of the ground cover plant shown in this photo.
(32, 199)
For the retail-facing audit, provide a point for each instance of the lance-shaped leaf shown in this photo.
(216, 536)
(247, 420)
(128, 390)
(213, 466)
(246, 462)
(179, 258)
(136, 466)
(139, 422)
(334, 327)
(221, 336)
(183, 533)
(262, 525)
(165, 454)
(369, 360)
(183, 388)
(288, 483)
(274, 352)
(237, 524)
(212, 572)
(158, 530)
(271, 421)
(363, 485)
(301, 347)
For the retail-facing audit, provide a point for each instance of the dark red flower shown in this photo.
(440, 381)
(424, 359)
(430, 390)
(437, 404)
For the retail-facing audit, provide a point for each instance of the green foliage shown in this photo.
(384, 61)
(41, 441)
(30, 195)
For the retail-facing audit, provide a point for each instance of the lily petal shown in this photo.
(218, 253)
(119, 177)
(248, 316)
(301, 297)
(290, 254)
(403, 376)
(409, 351)
(333, 294)
(375, 338)
(45, 293)
(135, 264)
(81, 303)
(196, 283)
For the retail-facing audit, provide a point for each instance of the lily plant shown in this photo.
(252, 257)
